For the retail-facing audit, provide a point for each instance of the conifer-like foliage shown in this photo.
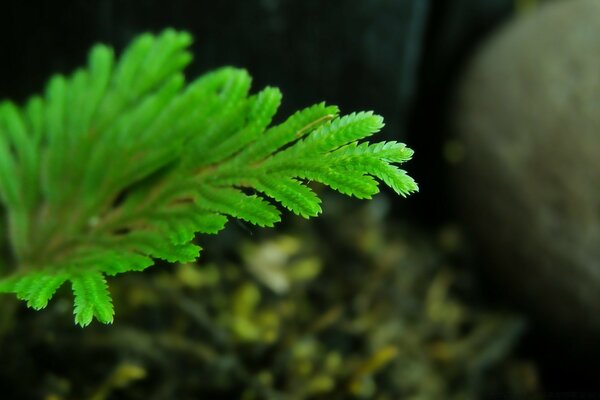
(123, 162)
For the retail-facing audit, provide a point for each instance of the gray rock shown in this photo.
(528, 114)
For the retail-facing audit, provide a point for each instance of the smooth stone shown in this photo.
(528, 116)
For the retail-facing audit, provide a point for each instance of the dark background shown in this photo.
(400, 58)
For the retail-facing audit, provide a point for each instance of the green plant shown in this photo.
(122, 163)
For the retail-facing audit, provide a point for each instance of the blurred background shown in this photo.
(484, 285)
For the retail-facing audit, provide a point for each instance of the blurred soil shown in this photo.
(354, 305)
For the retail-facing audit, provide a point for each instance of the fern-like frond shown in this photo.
(291, 193)
(92, 299)
(123, 162)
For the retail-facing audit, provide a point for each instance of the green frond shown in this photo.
(92, 299)
(228, 115)
(181, 224)
(9, 176)
(295, 127)
(100, 67)
(262, 109)
(110, 261)
(153, 244)
(341, 131)
(391, 152)
(292, 194)
(13, 127)
(17, 156)
(149, 61)
(235, 203)
(396, 178)
(34, 116)
(124, 162)
(391, 175)
(348, 182)
(38, 288)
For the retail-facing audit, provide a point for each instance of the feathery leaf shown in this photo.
(123, 162)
